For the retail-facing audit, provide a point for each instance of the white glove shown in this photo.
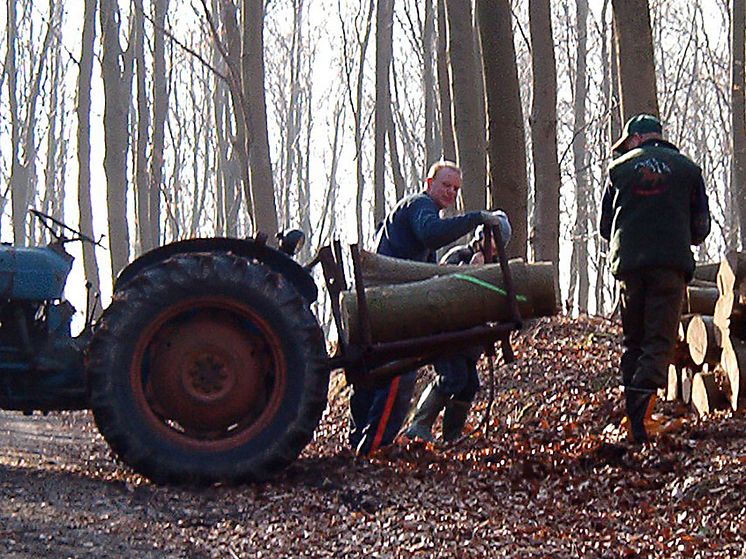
(499, 218)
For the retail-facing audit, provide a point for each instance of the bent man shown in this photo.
(413, 230)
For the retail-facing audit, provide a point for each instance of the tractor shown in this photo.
(209, 365)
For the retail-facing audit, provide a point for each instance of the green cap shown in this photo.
(638, 124)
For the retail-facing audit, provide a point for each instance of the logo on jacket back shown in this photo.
(652, 177)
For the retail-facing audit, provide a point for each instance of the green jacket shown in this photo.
(654, 208)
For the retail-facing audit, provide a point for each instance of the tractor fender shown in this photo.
(245, 248)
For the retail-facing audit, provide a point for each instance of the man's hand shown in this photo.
(495, 217)
(498, 218)
(478, 258)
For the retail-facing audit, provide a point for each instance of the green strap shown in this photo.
(487, 285)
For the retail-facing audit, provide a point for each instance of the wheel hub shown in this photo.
(208, 373)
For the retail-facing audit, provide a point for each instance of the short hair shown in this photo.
(442, 164)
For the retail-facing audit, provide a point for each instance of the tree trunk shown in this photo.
(160, 111)
(507, 145)
(738, 118)
(384, 25)
(544, 135)
(142, 180)
(636, 61)
(469, 119)
(450, 302)
(579, 149)
(433, 141)
(116, 67)
(90, 265)
(252, 83)
(444, 88)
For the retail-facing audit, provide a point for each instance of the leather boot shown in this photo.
(428, 408)
(454, 419)
(639, 403)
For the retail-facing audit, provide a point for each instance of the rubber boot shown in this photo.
(454, 419)
(428, 408)
(639, 403)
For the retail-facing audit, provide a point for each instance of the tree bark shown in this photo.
(580, 155)
(142, 180)
(636, 61)
(90, 265)
(544, 134)
(433, 141)
(252, 82)
(116, 66)
(507, 145)
(449, 302)
(384, 37)
(738, 118)
(701, 300)
(444, 88)
(160, 111)
(468, 118)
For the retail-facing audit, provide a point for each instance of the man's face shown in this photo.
(443, 187)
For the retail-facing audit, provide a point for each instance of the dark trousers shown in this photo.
(377, 414)
(457, 377)
(651, 309)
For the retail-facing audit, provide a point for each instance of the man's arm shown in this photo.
(607, 212)
(435, 232)
(700, 213)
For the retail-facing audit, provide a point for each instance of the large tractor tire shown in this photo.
(207, 368)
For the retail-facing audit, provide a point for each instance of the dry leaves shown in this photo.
(553, 479)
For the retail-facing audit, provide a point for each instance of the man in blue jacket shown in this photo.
(654, 208)
(413, 230)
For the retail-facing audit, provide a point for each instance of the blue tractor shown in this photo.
(208, 366)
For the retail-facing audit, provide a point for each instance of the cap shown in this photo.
(638, 124)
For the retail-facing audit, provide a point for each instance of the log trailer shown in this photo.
(208, 366)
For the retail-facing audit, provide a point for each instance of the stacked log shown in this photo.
(716, 335)
(407, 300)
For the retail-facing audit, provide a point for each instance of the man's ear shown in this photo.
(428, 182)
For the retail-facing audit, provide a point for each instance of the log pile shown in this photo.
(412, 299)
(711, 353)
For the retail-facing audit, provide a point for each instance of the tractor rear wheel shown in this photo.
(207, 368)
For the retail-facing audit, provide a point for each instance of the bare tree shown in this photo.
(85, 211)
(468, 115)
(160, 111)
(384, 25)
(507, 144)
(355, 89)
(23, 126)
(636, 61)
(444, 87)
(117, 70)
(738, 117)
(544, 134)
(252, 83)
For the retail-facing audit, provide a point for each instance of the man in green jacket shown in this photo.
(654, 208)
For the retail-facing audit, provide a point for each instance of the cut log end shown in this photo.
(707, 396)
(673, 387)
(703, 340)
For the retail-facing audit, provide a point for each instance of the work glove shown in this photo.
(500, 219)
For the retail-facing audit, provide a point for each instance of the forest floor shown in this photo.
(552, 477)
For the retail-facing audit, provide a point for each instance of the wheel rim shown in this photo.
(209, 373)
